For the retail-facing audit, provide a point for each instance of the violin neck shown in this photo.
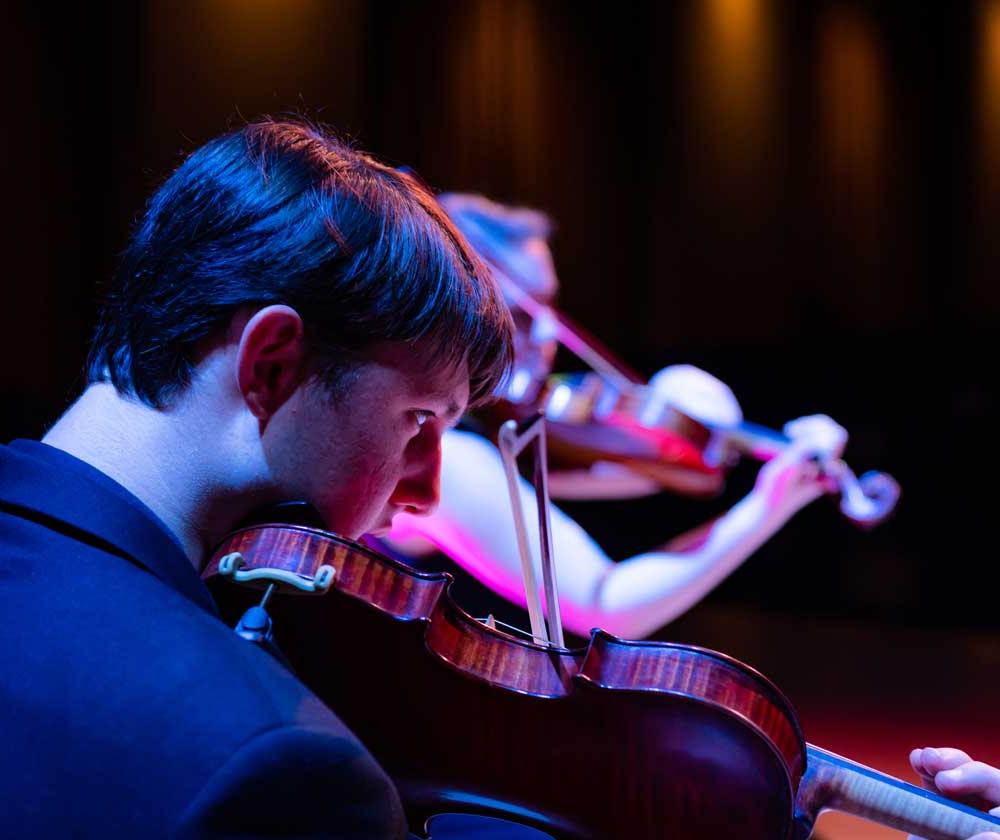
(833, 782)
(758, 442)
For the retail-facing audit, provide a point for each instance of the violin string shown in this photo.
(525, 633)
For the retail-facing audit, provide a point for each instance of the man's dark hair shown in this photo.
(285, 212)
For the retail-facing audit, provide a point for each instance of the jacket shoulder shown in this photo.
(296, 781)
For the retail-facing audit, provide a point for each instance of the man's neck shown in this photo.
(169, 459)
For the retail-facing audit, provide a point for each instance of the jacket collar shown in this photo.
(46, 482)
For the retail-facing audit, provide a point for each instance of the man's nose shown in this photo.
(419, 488)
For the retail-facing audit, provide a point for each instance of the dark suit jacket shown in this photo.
(127, 708)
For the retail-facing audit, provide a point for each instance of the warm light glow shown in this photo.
(736, 25)
(251, 56)
(730, 103)
(989, 98)
(853, 104)
(498, 75)
(260, 26)
(991, 64)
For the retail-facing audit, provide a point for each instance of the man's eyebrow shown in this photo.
(452, 409)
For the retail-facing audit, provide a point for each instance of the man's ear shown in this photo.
(270, 359)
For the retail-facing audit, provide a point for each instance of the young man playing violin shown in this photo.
(291, 321)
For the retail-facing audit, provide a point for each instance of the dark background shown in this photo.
(799, 197)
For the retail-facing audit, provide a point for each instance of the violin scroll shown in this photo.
(866, 501)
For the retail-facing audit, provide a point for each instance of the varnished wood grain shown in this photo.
(620, 739)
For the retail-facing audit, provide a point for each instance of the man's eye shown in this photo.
(422, 416)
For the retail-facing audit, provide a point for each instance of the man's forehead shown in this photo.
(425, 375)
(447, 385)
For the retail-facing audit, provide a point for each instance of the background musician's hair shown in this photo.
(499, 222)
(286, 212)
(498, 231)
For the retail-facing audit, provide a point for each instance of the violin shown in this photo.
(579, 439)
(619, 739)
(637, 416)
(609, 414)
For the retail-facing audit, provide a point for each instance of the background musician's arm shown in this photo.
(632, 598)
(602, 480)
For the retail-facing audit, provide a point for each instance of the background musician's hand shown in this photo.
(698, 394)
(792, 480)
(954, 774)
(818, 432)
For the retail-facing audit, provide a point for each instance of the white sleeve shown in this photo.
(475, 527)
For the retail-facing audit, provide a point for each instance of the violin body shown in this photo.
(620, 739)
(636, 409)
(672, 457)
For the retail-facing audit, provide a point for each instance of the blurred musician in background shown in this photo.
(473, 526)
(633, 598)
